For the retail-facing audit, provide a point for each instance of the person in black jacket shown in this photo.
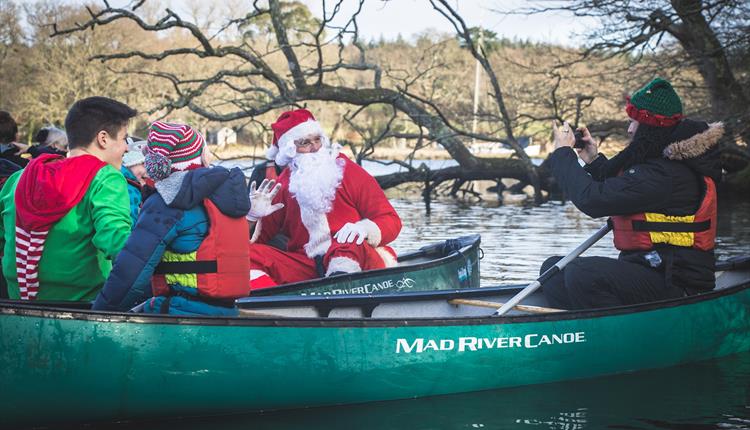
(660, 194)
(50, 140)
(10, 149)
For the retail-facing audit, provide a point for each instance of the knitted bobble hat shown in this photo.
(172, 148)
(657, 104)
(134, 155)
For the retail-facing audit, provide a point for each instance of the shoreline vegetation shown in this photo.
(482, 189)
(737, 184)
(393, 152)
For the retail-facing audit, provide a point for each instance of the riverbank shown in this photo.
(389, 152)
(233, 152)
(245, 156)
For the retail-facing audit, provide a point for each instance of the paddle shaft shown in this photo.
(495, 305)
(510, 304)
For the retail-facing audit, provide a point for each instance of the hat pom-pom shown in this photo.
(271, 152)
(158, 166)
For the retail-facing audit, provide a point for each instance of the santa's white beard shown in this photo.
(315, 178)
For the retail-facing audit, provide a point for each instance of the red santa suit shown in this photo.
(358, 199)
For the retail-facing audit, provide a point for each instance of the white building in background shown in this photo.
(222, 137)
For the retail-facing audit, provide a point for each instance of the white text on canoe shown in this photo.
(532, 340)
(404, 283)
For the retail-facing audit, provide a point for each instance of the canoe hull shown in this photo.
(80, 366)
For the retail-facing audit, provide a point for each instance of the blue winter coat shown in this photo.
(134, 193)
(172, 219)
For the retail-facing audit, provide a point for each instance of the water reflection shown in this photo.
(706, 395)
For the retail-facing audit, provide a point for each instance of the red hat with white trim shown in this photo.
(292, 125)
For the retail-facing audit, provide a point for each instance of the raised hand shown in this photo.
(261, 200)
(589, 152)
(563, 136)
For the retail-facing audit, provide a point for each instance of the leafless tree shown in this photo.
(272, 59)
(712, 34)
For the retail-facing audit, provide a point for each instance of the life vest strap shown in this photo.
(271, 171)
(186, 267)
(672, 227)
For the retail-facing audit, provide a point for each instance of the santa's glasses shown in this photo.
(308, 141)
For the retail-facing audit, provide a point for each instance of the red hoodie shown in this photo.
(48, 189)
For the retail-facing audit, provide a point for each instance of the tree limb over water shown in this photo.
(712, 36)
(276, 55)
(254, 82)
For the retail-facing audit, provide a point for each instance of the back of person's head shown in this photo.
(8, 128)
(134, 155)
(172, 148)
(87, 117)
(51, 136)
(656, 104)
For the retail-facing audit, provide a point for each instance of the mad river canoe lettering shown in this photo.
(369, 288)
(462, 344)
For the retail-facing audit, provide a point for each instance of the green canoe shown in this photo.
(446, 265)
(65, 364)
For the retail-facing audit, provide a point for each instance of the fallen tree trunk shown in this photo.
(489, 169)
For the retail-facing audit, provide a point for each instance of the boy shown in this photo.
(64, 219)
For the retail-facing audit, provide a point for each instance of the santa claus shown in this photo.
(335, 214)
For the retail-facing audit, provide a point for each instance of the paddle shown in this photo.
(552, 271)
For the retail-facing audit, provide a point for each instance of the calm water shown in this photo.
(517, 239)
(706, 395)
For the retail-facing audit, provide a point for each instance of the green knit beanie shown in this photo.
(656, 104)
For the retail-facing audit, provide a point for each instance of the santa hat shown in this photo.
(172, 148)
(657, 104)
(292, 125)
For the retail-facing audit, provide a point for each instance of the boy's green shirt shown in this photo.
(80, 247)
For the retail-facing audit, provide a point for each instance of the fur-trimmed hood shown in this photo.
(699, 151)
(696, 145)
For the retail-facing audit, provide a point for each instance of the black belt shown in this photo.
(672, 227)
(186, 267)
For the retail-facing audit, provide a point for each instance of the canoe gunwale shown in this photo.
(13, 307)
(461, 254)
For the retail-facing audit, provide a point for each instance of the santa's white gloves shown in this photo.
(351, 232)
(261, 200)
(360, 231)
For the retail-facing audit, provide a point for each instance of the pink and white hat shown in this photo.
(172, 148)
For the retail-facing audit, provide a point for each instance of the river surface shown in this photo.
(516, 239)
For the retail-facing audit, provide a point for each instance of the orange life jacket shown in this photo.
(221, 264)
(271, 171)
(640, 232)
